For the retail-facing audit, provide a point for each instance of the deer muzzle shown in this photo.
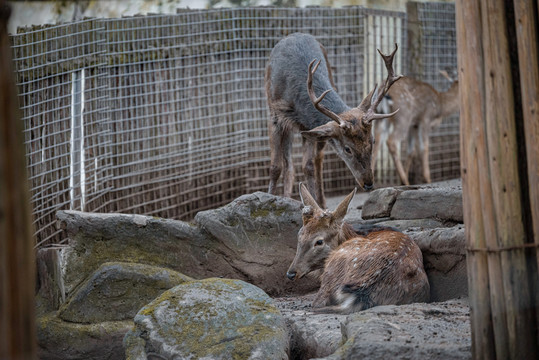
(291, 275)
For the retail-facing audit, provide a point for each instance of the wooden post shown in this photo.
(526, 15)
(503, 294)
(17, 264)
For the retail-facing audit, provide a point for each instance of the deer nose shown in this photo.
(368, 187)
(291, 275)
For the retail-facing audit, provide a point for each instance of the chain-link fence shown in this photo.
(166, 115)
(438, 51)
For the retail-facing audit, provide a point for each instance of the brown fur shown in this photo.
(381, 268)
(422, 109)
(348, 130)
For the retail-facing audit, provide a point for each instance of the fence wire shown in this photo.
(166, 115)
(439, 52)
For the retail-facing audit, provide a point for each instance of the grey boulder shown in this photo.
(210, 319)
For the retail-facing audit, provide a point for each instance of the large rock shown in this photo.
(444, 259)
(443, 203)
(311, 335)
(435, 203)
(60, 340)
(259, 234)
(253, 238)
(211, 319)
(117, 291)
(379, 203)
(436, 331)
(95, 239)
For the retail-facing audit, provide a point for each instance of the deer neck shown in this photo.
(450, 100)
(346, 233)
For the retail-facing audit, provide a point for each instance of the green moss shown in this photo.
(205, 330)
(264, 212)
(53, 332)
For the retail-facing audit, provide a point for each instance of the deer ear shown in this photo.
(342, 209)
(322, 132)
(307, 199)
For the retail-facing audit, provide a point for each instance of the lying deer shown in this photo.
(422, 109)
(359, 272)
(292, 81)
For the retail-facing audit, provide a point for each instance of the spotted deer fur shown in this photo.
(421, 110)
(382, 268)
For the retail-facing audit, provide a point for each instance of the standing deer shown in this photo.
(422, 109)
(292, 82)
(381, 268)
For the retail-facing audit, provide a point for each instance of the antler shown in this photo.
(316, 100)
(368, 105)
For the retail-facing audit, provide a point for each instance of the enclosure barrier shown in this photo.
(499, 61)
(17, 261)
(166, 115)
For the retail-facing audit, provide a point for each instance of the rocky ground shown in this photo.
(101, 284)
(416, 331)
(439, 330)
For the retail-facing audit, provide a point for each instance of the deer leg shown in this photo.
(424, 148)
(318, 169)
(412, 149)
(308, 165)
(393, 142)
(288, 163)
(276, 157)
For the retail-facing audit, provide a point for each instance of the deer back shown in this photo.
(382, 268)
(417, 99)
(286, 78)
(296, 73)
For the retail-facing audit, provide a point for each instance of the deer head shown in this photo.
(320, 234)
(450, 98)
(350, 131)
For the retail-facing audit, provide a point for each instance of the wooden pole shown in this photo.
(526, 16)
(500, 276)
(472, 135)
(17, 264)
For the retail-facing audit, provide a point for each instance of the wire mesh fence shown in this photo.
(166, 115)
(439, 52)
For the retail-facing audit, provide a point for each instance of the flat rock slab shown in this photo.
(60, 340)
(444, 259)
(117, 291)
(311, 335)
(443, 203)
(210, 319)
(431, 203)
(95, 239)
(435, 331)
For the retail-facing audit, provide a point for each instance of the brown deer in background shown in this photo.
(422, 109)
(381, 268)
(297, 70)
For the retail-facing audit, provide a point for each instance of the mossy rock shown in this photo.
(59, 340)
(95, 239)
(259, 232)
(117, 291)
(434, 331)
(211, 319)
(253, 238)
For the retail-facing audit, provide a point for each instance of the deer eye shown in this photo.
(347, 150)
(319, 242)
